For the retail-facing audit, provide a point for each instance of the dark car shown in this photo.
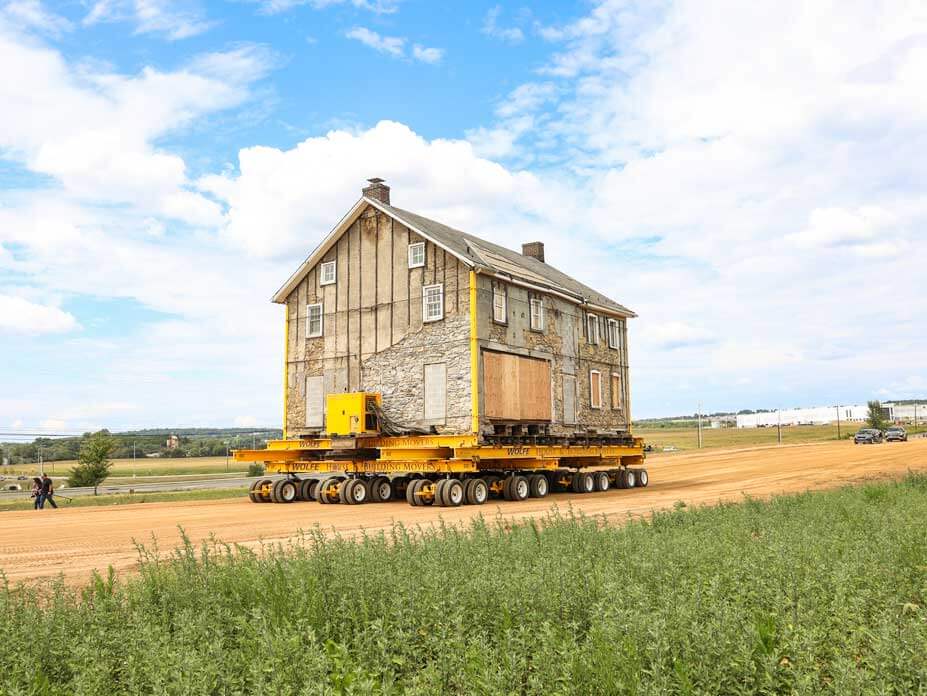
(868, 436)
(896, 434)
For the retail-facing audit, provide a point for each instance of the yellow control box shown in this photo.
(351, 414)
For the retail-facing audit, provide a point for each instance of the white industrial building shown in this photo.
(905, 413)
(817, 415)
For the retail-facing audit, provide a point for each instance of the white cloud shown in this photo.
(245, 422)
(18, 315)
(427, 55)
(172, 19)
(391, 45)
(32, 14)
(377, 6)
(491, 27)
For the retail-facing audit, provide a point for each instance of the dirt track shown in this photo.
(75, 541)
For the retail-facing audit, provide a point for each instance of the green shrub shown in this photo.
(814, 593)
(255, 469)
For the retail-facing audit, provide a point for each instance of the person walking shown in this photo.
(48, 492)
(37, 493)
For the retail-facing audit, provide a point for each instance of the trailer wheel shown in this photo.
(283, 491)
(601, 481)
(412, 492)
(254, 493)
(324, 491)
(583, 482)
(520, 488)
(453, 493)
(630, 478)
(439, 492)
(353, 492)
(642, 478)
(259, 489)
(476, 492)
(538, 485)
(380, 489)
(308, 489)
(400, 484)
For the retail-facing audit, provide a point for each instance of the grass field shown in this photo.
(815, 593)
(687, 438)
(141, 467)
(26, 503)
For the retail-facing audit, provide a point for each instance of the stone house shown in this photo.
(383, 304)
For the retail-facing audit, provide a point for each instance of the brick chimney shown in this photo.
(378, 190)
(533, 249)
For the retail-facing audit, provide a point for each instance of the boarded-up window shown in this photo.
(315, 402)
(595, 389)
(569, 399)
(436, 392)
(616, 391)
(592, 328)
(515, 387)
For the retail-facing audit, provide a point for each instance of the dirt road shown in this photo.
(73, 542)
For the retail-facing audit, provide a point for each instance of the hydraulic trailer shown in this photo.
(443, 470)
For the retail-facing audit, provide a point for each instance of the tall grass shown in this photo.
(820, 592)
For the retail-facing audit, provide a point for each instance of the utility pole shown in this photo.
(134, 462)
(700, 425)
(226, 456)
(779, 424)
(838, 421)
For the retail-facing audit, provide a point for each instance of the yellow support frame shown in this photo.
(474, 361)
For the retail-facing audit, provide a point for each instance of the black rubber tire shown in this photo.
(322, 490)
(476, 491)
(343, 492)
(439, 493)
(630, 479)
(620, 480)
(601, 481)
(453, 493)
(275, 492)
(411, 492)
(538, 486)
(520, 488)
(583, 482)
(259, 487)
(303, 488)
(507, 488)
(380, 489)
(643, 478)
(287, 491)
(252, 494)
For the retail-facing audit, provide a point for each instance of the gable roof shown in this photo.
(480, 254)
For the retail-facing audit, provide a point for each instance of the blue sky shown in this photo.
(749, 179)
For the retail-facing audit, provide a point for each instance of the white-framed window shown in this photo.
(314, 320)
(537, 314)
(327, 273)
(616, 392)
(417, 255)
(595, 389)
(499, 304)
(432, 302)
(592, 329)
(614, 334)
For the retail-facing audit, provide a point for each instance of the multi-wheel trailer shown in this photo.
(356, 463)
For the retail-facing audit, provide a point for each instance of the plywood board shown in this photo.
(533, 389)
(516, 387)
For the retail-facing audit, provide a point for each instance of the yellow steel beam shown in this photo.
(410, 442)
(286, 365)
(399, 454)
(545, 452)
(264, 456)
(474, 361)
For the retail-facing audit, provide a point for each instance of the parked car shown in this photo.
(867, 436)
(896, 434)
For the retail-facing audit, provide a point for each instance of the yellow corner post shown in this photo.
(286, 364)
(474, 360)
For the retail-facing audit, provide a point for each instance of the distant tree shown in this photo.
(875, 418)
(94, 461)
